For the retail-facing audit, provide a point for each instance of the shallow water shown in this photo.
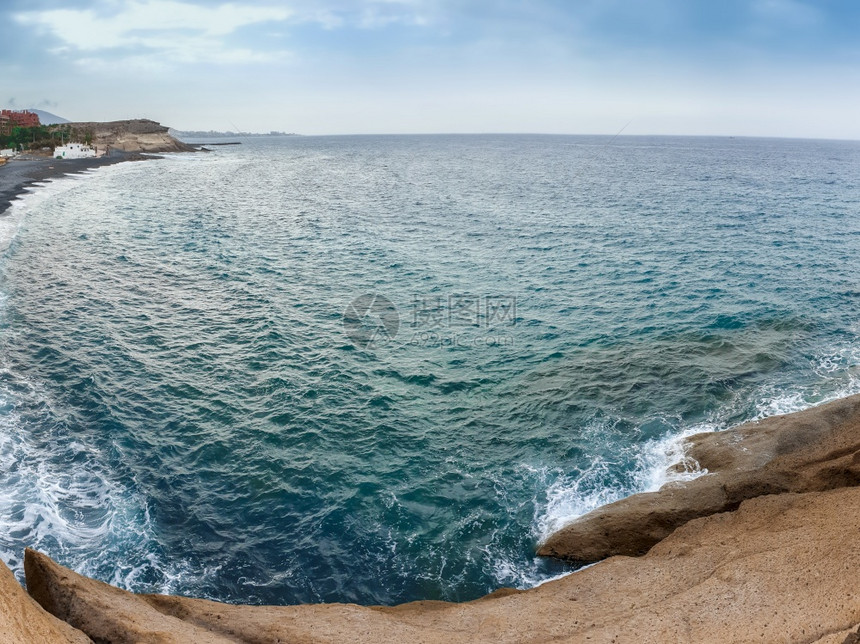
(185, 408)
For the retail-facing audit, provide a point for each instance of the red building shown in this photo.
(13, 118)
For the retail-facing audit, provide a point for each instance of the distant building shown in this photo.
(14, 118)
(74, 151)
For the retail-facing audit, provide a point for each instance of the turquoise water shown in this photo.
(184, 406)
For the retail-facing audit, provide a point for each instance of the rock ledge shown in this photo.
(809, 451)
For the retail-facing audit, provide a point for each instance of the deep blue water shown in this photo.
(184, 407)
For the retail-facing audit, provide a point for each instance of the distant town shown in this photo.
(35, 133)
(22, 131)
(213, 134)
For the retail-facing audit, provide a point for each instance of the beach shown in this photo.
(25, 170)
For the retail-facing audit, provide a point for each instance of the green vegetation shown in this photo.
(44, 136)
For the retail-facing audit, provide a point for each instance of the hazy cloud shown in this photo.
(787, 67)
(175, 32)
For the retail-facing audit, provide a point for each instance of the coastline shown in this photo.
(20, 173)
(777, 562)
(722, 533)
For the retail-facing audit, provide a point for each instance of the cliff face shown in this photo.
(764, 548)
(138, 135)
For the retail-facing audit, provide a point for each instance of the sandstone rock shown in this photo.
(137, 135)
(813, 450)
(781, 568)
(105, 613)
(22, 620)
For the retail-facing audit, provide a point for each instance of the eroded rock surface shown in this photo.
(813, 450)
(23, 621)
(136, 135)
(781, 568)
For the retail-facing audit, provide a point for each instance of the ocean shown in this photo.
(378, 369)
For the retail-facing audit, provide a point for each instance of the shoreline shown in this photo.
(18, 174)
(775, 560)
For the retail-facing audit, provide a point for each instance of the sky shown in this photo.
(788, 68)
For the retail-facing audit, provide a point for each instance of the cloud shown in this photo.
(443, 65)
(176, 32)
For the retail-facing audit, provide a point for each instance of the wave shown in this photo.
(57, 496)
(187, 313)
(833, 375)
(56, 493)
(35, 194)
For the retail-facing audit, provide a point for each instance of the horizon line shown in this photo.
(577, 134)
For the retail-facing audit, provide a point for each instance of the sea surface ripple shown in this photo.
(183, 407)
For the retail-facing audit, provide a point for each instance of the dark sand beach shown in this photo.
(26, 170)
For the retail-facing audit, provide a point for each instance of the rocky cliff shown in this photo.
(137, 135)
